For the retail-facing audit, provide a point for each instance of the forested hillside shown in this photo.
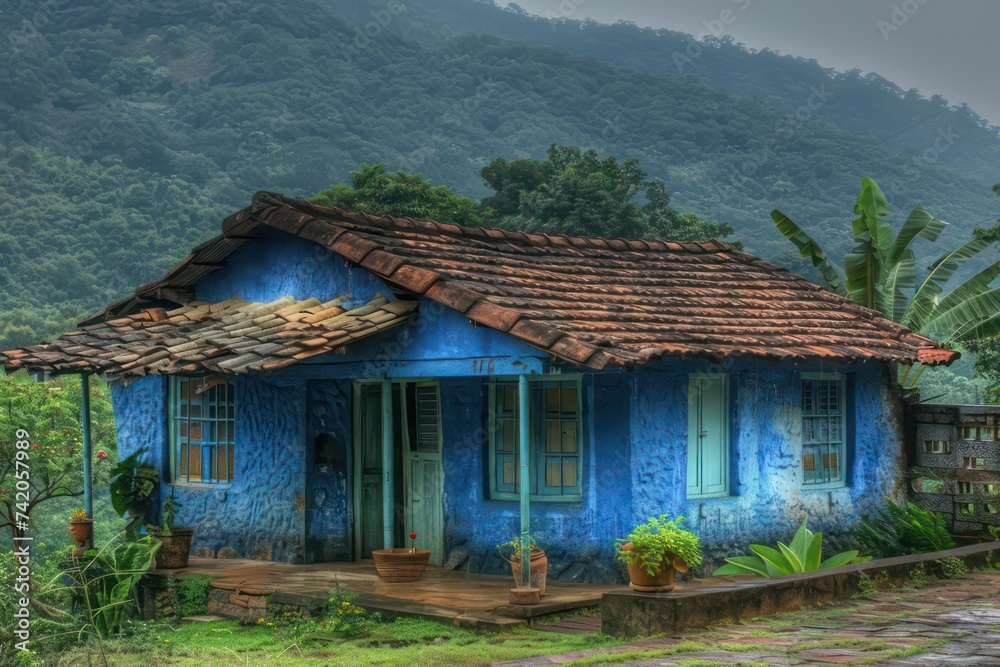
(129, 129)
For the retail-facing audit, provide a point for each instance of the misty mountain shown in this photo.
(128, 130)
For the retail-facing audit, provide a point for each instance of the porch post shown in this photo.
(88, 481)
(523, 420)
(388, 513)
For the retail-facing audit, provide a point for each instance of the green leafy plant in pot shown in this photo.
(175, 540)
(656, 550)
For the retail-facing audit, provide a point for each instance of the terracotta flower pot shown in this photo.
(399, 565)
(175, 549)
(539, 569)
(642, 581)
(81, 530)
(661, 582)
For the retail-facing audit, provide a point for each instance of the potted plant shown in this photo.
(538, 562)
(401, 564)
(175, 540)
(82, 528)
(656, 550)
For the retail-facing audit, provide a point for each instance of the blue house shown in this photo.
(314, 384)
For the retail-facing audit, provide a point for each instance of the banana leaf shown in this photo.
(809, 249)
(922, 305)
(919, 224)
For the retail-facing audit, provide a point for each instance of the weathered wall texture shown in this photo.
(261, 514)
(329, 507)
(283, 265)
(768, 501)
(575, 536)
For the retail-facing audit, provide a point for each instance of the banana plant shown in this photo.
(880, 272)
(802, 555)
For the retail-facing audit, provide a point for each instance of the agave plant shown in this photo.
(880, 272)
(802, 555)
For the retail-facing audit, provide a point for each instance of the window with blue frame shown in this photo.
(824, 430)
(555, 439)
(201, 429)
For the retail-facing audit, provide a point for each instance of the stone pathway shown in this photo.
(950, 622)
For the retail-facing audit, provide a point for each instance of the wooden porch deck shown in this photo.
(445, 595)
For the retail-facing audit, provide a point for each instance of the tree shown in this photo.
(47, 416)
(375, 191)
(574, 192)
(880, 272)
(987, 351)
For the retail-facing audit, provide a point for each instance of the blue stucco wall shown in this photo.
(574, 535)
(329, 506)
(768, 501)
(261, 514)
(279, 264)
(436, 342)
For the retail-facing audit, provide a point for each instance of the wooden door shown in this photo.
(368, 511)
(424, 473)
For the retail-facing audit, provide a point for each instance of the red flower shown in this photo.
(413, 536)
(35, 446)
(101, 454)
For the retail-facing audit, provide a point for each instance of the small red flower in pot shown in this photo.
(413, 542)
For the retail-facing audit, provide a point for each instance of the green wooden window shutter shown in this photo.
(708, 436)
(556, 439)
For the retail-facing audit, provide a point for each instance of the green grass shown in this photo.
(226, 643)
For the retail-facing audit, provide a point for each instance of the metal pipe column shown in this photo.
(388, 510)
(524, 433)
(88, 477)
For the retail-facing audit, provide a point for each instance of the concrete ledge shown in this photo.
(626, 613)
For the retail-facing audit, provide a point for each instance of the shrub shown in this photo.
(803, 555)
(105, 580)
(189, 595)
(900, 530)
(952, 567)
(346, 618)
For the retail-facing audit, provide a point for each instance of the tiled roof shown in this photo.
(230, 337)
(588, 301)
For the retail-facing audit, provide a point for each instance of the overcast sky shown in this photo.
(946, 47)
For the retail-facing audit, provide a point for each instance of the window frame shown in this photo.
(175, 420)
(538, 455)
(845, 429)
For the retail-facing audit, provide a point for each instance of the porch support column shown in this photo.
(523, 420)
(88, 478)
(388, 510)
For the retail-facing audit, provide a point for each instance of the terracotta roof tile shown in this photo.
(230, 336)
(590, 301)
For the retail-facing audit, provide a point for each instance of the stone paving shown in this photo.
(949, 622)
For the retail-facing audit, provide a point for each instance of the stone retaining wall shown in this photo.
(629, 614)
